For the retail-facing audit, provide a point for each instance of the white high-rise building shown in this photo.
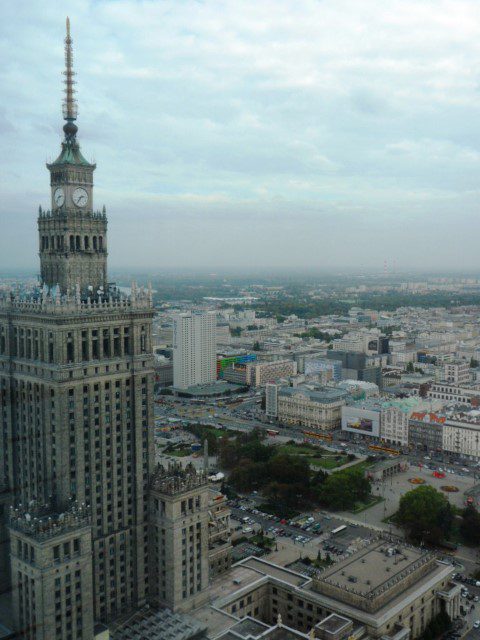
(194, 348)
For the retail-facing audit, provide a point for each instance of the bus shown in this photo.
(338, 529)
(272, 432)
(314, 434)
(378, 448)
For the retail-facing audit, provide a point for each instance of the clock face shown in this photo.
(59, 197)
(80, 197)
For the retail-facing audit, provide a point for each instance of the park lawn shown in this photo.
(301, 449)
(218, 433)
(181, 452)
(328, 462)
(317, 456)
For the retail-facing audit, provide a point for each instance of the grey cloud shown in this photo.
(307, 131)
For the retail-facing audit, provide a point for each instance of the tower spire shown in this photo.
(69, 102)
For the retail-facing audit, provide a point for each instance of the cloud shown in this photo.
(310, 130)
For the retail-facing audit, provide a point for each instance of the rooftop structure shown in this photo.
(159, 624)
(384, 590)
(42, 524)
(176, 479)
(354, 580)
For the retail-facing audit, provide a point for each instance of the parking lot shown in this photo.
(332, 536)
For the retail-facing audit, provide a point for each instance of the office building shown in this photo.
(358, 366)
(194, 349)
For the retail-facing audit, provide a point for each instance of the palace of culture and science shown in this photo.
(90, 529)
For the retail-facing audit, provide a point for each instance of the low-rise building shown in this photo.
(259, 373)
(425, 430)
(450, 392)
(461, 435)
(394, 424)
(317, 408)
(457, 372)
(387, 590)
(362, 418)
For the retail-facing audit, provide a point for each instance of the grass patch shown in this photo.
(328, 462)
(214, 431)
(179, 452)
(316, 456)
(301, 449)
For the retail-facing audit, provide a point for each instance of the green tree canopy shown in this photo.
(425, 515)
(343, 489)
(470, 526)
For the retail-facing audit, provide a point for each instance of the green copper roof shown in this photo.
(71, 155)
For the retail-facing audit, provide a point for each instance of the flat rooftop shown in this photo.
(333, 623)
(371, 568)
(267, 568)
(238, 577)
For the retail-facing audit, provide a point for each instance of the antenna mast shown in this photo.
(69, 102)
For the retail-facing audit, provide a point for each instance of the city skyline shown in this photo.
(307, 132)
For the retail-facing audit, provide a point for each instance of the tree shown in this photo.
(256, 345)
(343, 489)
(410, 367)
(235, 332)
(248, 476)
(425, 515)
(470, 526)
(473, 363)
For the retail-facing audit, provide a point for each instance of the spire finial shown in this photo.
(69, 102)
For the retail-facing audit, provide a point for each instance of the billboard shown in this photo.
(361, 424)
(361, 421)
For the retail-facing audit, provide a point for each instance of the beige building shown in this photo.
(387, 590)
(457, 372)
(259, 373)
(318, 408)
(461, 436)
(450, 392)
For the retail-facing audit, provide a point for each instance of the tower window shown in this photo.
(72, 244)
(87, 243)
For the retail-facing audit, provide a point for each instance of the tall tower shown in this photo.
(72, 236)
(76, 402)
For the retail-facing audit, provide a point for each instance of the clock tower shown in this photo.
(72, 236)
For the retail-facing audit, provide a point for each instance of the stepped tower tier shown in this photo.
(72, 236)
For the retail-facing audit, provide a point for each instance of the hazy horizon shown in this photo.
(312, 135)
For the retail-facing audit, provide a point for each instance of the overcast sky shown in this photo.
(266, 132)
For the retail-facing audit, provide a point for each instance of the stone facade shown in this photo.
(179, 507)
(76, 404)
